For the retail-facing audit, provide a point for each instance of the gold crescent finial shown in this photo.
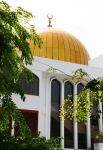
(49, 16)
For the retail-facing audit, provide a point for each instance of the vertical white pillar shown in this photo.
(88, 134)
(88, 129)
(42, 107)
(48, 107)
(100, 119)
(62, 121)
(75, 123)
(12, 130)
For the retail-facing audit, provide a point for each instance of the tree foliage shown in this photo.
(86, 104)
(29, 143)
(15, 54)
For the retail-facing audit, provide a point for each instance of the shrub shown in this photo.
(8, 142)
(99, 137)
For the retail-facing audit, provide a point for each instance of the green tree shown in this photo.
(83, 105)
(15, 54)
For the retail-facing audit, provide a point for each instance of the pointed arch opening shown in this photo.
(68, 124)
(82, 135)
(55, 107)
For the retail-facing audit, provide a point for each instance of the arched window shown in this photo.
(68, 124)
(82, 140)
(32, 87)
(55, 106)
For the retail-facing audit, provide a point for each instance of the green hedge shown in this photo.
(28, 143)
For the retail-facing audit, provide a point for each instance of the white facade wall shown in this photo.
(42, 103)
(97, 62)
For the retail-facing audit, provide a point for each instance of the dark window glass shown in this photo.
(9, 130)
(94, 123)
(32, 87)
(82, 140)
(31, 118)
(68, 124)
(80, 87)
(55, 106)
(7, 74)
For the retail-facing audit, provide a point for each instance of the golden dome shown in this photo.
(60, 45)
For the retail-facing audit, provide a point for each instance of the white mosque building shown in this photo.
(64, 53)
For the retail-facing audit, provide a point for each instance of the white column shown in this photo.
(75, 123)
(88, 129)
(12, 130)
(100, 119)
(42, 106)
(48, 107)
(88, 134)
(62, 121)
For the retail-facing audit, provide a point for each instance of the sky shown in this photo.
(81, 18)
